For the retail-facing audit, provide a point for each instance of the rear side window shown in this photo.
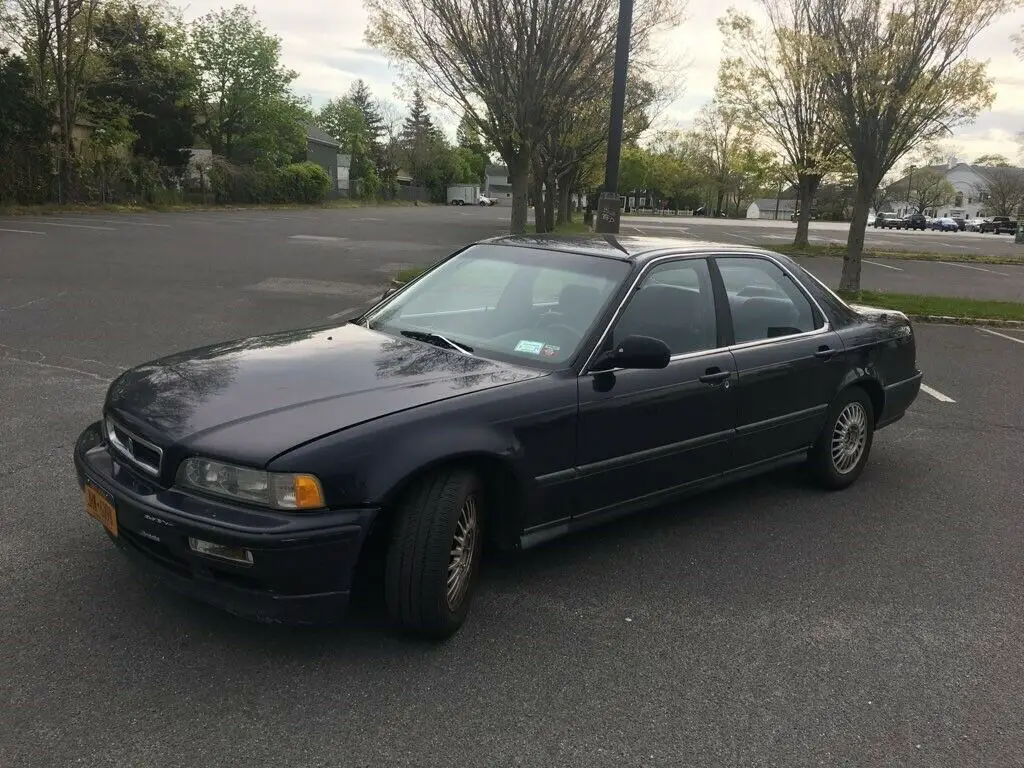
(764, 301)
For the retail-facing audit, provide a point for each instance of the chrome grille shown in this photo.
(139, 452)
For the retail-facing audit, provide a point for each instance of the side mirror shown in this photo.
(634, 352)
(388, 292)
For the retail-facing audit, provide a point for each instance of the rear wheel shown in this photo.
(841, 451)
(434, 555)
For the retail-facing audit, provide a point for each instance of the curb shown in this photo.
(949, 320)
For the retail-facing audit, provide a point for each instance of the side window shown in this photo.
(765, 303)
(675, 303)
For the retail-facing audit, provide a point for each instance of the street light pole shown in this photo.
(608, 208)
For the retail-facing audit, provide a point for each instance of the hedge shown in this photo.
(304, 182)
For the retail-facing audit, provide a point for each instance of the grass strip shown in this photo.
(943, 306)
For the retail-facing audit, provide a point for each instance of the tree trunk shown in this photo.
(519, 171)
(539, 219)
(721, 197)
(550, 195)
(850, 280)
(564, 207)
(808, 185)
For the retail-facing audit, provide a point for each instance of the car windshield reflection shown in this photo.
(516, 304)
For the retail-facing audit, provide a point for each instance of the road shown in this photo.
(764, 624)
(351, 249)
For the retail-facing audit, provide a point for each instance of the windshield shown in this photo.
(512, 303)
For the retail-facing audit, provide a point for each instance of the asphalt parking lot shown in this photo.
(768, 624)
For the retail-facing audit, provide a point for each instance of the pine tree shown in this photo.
(418, 128)
(359, 95)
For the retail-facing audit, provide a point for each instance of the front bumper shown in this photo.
(303, 563)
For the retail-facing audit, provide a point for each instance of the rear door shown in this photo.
(789, 361)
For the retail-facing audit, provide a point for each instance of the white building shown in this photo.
(771, 208)
(971, 182)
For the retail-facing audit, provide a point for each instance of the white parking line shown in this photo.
(1001, 335)
(71, 226)
(968, 266)
(879, 264)
(936, 394)
(317, 238)
(22, 231)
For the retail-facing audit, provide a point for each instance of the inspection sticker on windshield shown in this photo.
(530, 347)
(549, 350)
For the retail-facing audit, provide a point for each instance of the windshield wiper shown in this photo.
(434, 338)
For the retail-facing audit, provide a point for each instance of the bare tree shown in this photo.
(720, 131)
(929, 188)
(897, 74)
(511, 65)
(1004, 191)
(772, 75)
(60, 32)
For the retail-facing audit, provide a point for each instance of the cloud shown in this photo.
(323, 42)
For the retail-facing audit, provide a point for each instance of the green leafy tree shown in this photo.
(993, 161)
(896, 76)
(772, 77)
(143, 74)
(24, 128)
(343, 120)
(247, 112)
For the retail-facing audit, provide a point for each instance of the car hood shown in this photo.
(251, 399)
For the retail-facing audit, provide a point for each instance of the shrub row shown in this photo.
(304, 182)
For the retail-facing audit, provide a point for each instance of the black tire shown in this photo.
(420, 554)
(828, 471)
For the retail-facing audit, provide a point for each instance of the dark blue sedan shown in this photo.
(520, 390)
(945, 225)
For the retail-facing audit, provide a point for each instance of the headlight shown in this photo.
(273, 489)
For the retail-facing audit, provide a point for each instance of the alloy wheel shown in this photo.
(849, 436)
(463, 552)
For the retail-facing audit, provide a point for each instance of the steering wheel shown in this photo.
(564, 327)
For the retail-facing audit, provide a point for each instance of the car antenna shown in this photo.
(610, 239)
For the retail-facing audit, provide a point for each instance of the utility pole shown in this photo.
(608, 208)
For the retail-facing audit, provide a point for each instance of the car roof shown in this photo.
(634, 248)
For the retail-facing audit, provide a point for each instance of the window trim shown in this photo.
(655, 262)
(826, 327)
(716, 278)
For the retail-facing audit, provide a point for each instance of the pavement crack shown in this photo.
(33, 301)
(37, 358)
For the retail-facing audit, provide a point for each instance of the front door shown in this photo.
(646, 433)
(789, 362)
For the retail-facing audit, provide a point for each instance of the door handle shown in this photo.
(824, 352)
(715, 375)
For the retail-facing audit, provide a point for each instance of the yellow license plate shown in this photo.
(97, 506)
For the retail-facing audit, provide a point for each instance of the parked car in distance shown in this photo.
(795, 216)
(961, 222)
(887, 221)
(998, 225)
(871, 219)
(484, 200)
(519, 390)
(974, 225)
(914, 221)
(945, 224)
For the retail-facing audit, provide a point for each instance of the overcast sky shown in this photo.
(323, 41)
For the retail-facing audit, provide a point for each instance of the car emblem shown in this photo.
(129, 445)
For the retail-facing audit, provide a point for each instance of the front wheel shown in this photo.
(841, 451)
(434, 555)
